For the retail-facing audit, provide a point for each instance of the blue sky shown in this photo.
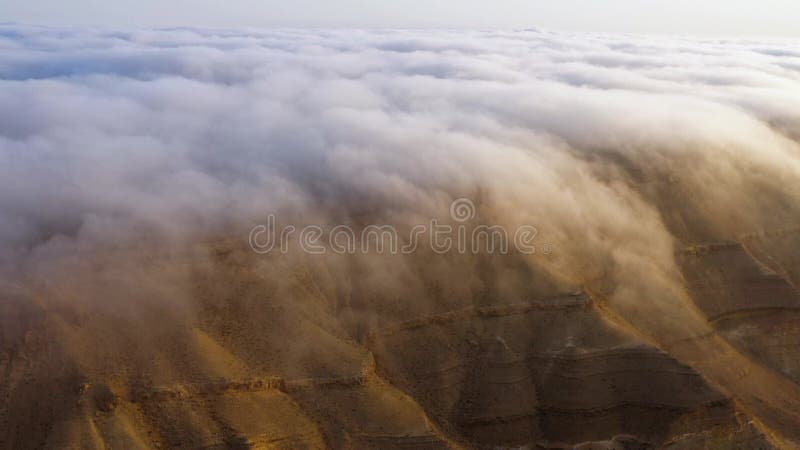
(697, 17)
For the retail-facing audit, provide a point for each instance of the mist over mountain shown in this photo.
(662, 175)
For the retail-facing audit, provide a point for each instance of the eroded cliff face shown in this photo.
(215, 346)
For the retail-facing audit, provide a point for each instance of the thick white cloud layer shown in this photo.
(179, 131)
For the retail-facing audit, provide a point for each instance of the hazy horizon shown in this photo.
(773, 18)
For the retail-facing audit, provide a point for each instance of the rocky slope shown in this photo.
(215, 354)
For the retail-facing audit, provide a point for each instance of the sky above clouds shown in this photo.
(705, 17)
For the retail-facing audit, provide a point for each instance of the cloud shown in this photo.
(106, 135)
(188, 125)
